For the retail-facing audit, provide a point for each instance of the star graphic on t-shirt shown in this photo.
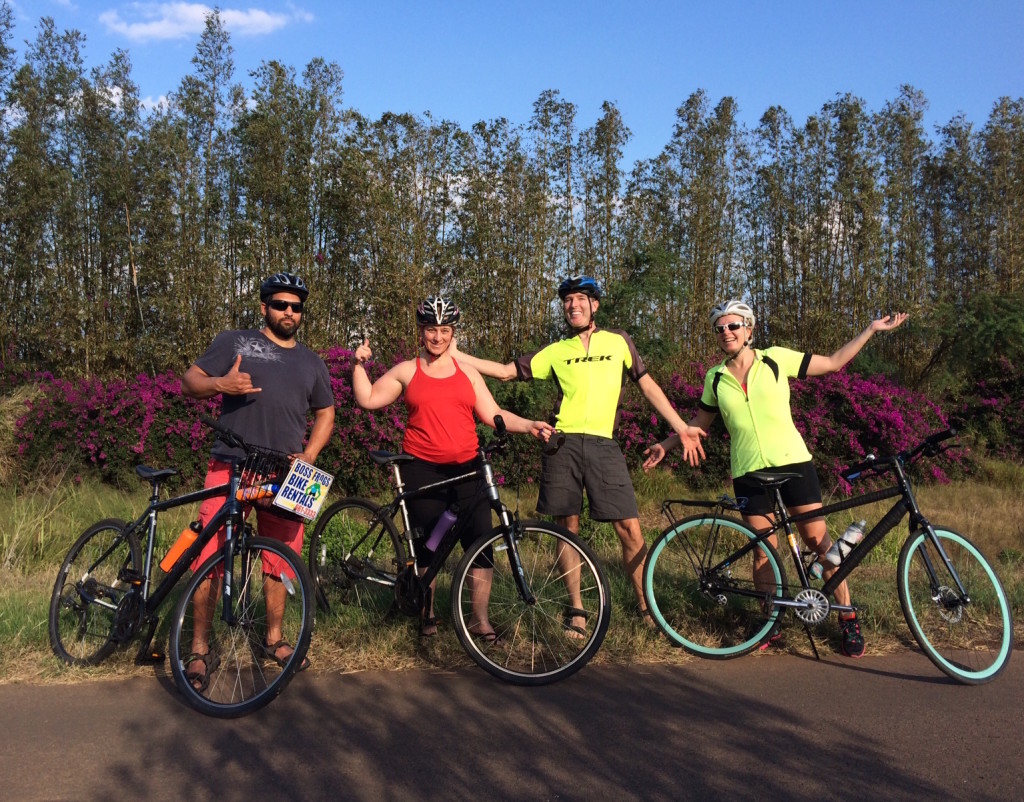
(252, 348)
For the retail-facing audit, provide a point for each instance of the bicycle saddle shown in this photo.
(773, 479)
(387, 458)
(154, 474)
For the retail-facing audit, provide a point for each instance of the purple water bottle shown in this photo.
(444, 523)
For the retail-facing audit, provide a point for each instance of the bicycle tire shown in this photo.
(246, 678)
(714, 614)
(354, 558)
(970, 642)
(89, 592)
(535, 646)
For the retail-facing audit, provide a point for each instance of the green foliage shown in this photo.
(128, 238)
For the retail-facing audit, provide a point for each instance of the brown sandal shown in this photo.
(270, 652)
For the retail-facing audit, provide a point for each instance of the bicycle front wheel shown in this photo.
(707, 599)
(241, 674)
(354, 557)
(548, 637)
(969, 637)
(90, 593)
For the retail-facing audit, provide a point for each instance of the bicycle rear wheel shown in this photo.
(242, 675)
(536, 643)
(706, 602)
(89, 592)
(969, 638)
(354, 557)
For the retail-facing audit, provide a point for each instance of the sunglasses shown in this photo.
(279, 306)
(730, 326)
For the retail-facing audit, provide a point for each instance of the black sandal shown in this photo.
(201, 681)
(645, 617)
(491, 638)
(568, 614)
(428, 622)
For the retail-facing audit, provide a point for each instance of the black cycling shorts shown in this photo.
(795, 492)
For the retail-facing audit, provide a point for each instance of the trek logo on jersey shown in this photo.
(578, 359)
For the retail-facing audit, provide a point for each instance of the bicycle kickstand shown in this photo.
(810, 637)
(147, 654)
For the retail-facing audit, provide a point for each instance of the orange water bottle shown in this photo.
(185, 539)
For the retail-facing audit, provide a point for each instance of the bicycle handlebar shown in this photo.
(224, 434)
(500, 439)
(873, 464)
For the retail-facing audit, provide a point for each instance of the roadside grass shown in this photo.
(39, 525)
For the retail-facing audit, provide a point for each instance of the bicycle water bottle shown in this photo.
(850, 538)
(259, 493)
(185, 539)
(815, 569)
(444, 523)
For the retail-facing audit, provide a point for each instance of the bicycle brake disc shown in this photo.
(814, 607)
(951, 609)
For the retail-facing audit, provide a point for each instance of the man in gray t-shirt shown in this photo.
(268, 382)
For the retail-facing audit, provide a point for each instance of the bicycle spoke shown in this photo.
(353, 559)
(969, 638)
(90, 587)
(537, 643)
(713, 613)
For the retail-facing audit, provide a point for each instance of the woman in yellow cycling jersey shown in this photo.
(750, 390)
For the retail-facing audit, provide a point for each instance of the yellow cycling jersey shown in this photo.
(759, 419)
(590, 382)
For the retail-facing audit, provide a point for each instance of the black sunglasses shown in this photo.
(279, 306)
(730, 326)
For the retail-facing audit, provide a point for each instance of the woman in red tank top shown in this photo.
(442, 396)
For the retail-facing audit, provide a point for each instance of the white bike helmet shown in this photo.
(733, 307)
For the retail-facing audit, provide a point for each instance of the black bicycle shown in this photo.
(701, 587)
(544, 577)
(106, 593)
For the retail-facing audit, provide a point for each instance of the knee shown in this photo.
(630, 534)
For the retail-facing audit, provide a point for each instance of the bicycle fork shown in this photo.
(509, 525)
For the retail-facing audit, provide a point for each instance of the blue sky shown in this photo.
(467, 61)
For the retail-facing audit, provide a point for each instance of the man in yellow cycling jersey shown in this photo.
(590, 368)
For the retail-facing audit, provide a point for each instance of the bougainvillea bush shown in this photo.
(111, 426)
(842, 417)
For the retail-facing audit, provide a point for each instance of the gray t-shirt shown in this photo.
(292, 381)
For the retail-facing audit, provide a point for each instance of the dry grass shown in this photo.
(987, 510)
(12, 406)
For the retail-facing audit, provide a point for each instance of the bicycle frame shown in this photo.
(489, 494)
(228, 516)
(784, 521)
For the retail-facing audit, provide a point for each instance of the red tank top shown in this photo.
(441, 427)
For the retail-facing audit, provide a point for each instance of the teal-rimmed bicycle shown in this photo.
(701, 588)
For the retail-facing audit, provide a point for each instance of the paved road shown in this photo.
(771, 727)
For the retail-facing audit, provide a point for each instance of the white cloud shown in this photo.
(154, 21)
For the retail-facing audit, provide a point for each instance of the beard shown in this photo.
(282, 327)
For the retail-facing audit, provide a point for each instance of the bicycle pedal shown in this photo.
(151, 657)
(131, 576)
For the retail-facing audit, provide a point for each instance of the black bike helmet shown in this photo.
(584, 284)
(436, 311)
(283, 282)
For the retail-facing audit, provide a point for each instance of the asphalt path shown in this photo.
(763, 726)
